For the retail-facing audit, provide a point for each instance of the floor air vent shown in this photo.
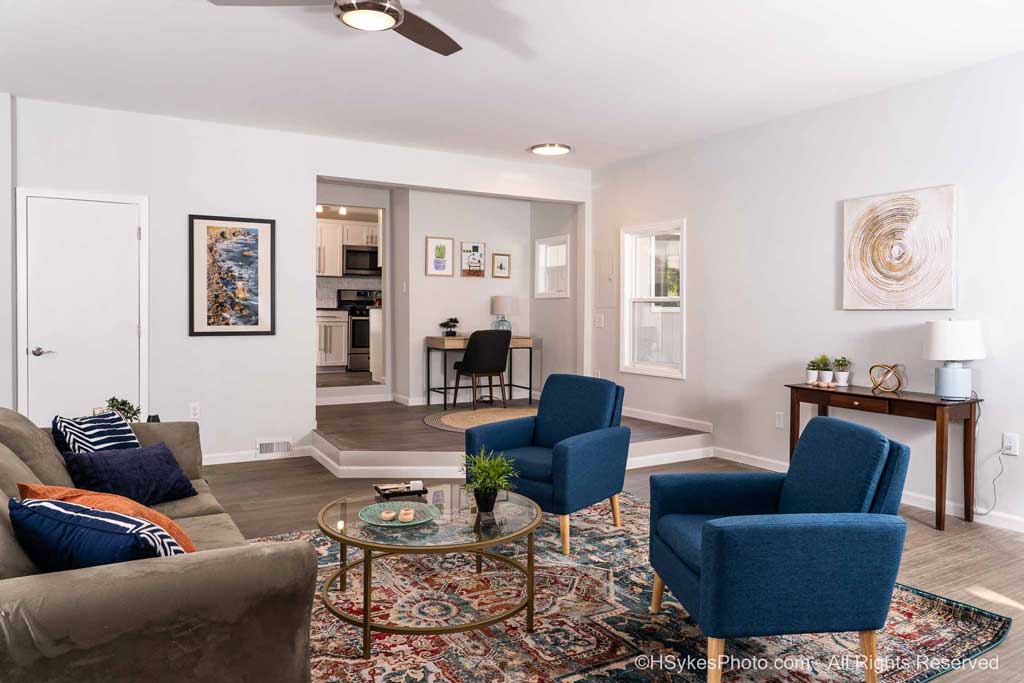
(273, 447)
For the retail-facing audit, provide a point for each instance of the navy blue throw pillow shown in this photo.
(58, 535)
(147, 475)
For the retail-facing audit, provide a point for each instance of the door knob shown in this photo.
(38, 351)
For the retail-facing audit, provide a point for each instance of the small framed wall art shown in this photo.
(474, 258)
(231, 276)
(501, 265)
(440, 256)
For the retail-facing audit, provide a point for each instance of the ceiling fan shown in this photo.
(371, 15)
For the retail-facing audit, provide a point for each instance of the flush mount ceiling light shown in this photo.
(370, 15)
(342, 210)
(319, 208)
(551, 149)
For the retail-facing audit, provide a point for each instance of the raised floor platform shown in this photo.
(390, 439)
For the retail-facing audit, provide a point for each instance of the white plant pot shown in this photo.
(843, 378)
(812, 376)
(825, 375)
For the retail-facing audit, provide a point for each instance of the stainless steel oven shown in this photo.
(357, 303)
(359, 261)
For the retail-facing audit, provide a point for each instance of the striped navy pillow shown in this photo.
(103, 432)
(58, 535)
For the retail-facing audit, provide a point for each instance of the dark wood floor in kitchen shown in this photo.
(395, 427)
(973, 563)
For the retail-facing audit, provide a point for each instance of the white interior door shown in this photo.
(80, 319)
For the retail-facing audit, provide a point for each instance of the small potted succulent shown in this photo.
(486, 474)
(842, 368)
(812, 371)
(449, 326)
(824, 368)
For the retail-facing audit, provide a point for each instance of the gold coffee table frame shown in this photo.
(373, 551)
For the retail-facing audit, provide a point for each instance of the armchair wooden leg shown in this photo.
(474, 390)
(563, 523)
(868, 648)
(716, 653)
(659, 591)
(616, 517)
(501, 383)
(455, 397)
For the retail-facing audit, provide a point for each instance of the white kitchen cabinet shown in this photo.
(332, 341)
(360, 234)
(377, 359)
(329, 235)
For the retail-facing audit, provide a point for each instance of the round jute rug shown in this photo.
(461, 420)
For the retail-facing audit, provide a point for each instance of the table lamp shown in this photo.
(953, 341)
(501, 306)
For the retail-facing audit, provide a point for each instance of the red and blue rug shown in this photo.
(592, 622)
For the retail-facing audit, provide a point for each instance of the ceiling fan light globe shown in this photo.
(369, 15)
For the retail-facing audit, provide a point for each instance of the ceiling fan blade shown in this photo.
(424, 33)
(272, 3)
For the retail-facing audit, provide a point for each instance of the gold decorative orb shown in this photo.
(885, 378)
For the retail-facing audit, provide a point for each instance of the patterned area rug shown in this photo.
(461, 420)
(592, 622)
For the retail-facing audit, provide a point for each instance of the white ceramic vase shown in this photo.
(843, 378)
(825, 375)
(812, 376)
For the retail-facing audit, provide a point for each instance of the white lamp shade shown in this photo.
(502, 305)
(954, 340)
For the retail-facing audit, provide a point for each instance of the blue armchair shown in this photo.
(815, 550)
(572, 454)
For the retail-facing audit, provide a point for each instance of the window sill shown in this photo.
(667, 373)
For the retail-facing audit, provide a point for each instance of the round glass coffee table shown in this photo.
(458, 529)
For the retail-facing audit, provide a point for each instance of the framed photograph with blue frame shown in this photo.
(231, 276)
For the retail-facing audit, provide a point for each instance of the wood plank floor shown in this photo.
(344, 378)
(395, 427)
(972, 563)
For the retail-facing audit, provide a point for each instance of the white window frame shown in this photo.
(626, 283)
(538, 278)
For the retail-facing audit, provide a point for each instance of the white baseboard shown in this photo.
(675, 420)
(408, 400)
(347, 400)
(250, 456)
(1002, 520)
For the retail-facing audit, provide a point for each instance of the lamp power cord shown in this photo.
(999, 456)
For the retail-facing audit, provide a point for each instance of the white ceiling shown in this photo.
(613, 83)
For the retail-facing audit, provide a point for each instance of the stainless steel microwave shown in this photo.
(356, 260)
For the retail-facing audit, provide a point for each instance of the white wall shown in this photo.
(504, 226)
(254, 385)
(7, 298)
(556, 321)
(764, 213)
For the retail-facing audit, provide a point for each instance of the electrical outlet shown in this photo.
(1011, 443)
(780, 420)
(193, 410)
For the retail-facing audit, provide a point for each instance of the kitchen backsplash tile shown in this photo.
(327, 288)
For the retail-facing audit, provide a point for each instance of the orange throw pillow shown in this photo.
(110, 503)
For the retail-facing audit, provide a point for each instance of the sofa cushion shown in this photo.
(531, 462)
(682, 534)
(571, 405)
(14, 562)
(210, 532)
(147, 475)
(33, 447)
(835, 468)
(203, 503)
(106, 431)
(13, 470)
(58, 535)
(110, 503)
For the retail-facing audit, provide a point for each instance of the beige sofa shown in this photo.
(230, 612)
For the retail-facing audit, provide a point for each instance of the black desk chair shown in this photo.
(486, 356)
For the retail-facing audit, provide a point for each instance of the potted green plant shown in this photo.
(486, 474)
(824, 368)
(842, 368)
(128, 410)
(449, 326)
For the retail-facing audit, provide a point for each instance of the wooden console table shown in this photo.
(902, 404)
(446, 344)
